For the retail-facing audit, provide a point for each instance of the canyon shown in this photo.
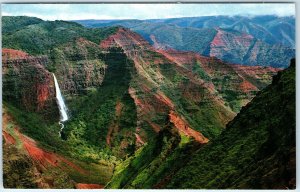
(136, 111)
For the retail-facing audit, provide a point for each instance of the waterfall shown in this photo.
(61, 105)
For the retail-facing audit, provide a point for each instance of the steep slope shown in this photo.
(155, 90)
(152, 164)
(229, 45)
(30, 129)
(29, 97)
(186, 84)
(257, 149)
(24, 72)
(237, 84)
(26, 165)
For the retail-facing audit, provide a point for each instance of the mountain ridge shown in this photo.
(166, 35)
(264, 22)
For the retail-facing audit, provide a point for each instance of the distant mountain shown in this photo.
(218, 36)
(268, 28)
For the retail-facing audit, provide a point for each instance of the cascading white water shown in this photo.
(61, 105)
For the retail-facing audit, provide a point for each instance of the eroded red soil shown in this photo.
(13, 54)
(88, 186)
(184, 127)
(8, 138)
(40, 156)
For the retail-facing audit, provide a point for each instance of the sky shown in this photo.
(141, 11)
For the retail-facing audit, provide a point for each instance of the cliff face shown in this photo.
(78, 66)
(27, 83)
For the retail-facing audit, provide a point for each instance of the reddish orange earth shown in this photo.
(8, 138)
(88, 186)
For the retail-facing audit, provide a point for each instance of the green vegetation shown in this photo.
(134, 171)
(56, 178)
(200, 72)
(154, 164)
(12, 24)
(33, 125)
(92, 108)
(194, 102)
(179, 38)
(18, 169)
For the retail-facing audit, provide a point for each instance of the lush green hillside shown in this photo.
(257, 149)
(37, 37)
(11, 24)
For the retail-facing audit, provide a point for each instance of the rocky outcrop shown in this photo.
(223, 42)
(28, 82)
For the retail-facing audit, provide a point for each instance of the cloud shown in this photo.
(142, 11)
